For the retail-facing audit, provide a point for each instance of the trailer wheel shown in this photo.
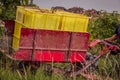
(77, 66)
(89, 58)
(24, 65)
(34, 66)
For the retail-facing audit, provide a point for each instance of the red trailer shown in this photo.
(52, 46)
(55, 38)
(39, 45)
(58, 37)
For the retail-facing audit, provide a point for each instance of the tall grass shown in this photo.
(7, 74)
(108, 69)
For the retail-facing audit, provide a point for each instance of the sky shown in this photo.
(107, 5)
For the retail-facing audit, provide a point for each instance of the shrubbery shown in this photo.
(103, 26)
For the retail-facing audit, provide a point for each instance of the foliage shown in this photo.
(1, 31)
(41, 74)
(8, 8)
(103, 26)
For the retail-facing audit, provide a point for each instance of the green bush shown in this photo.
(100, 28)
(8, 8)
(104, 25)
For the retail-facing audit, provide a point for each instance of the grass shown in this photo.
(108, 69)
(8, 74)
(8, 71)
(104, 73)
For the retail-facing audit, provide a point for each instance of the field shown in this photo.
(108, 69)
(101, 26)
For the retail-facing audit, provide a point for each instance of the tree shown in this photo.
(8, 8)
